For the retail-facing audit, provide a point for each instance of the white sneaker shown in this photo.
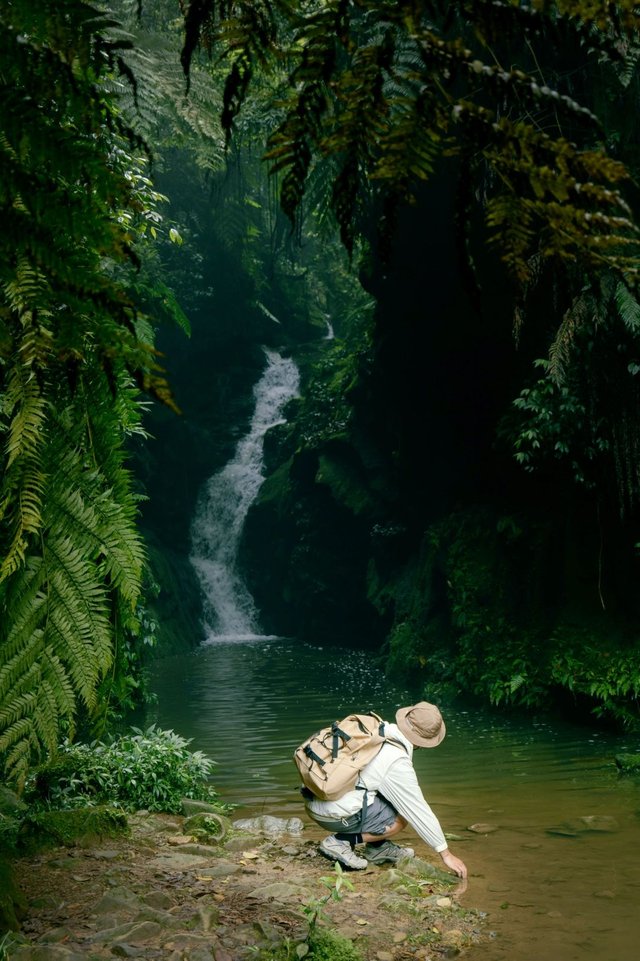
(340, 851)
(386, 852)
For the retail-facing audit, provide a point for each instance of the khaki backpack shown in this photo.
(330, 761)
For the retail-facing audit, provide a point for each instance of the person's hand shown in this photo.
(453, 863)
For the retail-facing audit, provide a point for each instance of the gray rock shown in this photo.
(159, 899)
(279, 891)
(221, 869)
(173, 861)
(244, 842)
(124, 950)
(116, 901)
(136, 933)
(591, 823)
(200, 850)
(44, 952)
(600, 823)
(266, 824)
(200, 954)
(56, 935)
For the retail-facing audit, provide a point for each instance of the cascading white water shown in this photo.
(230, 612)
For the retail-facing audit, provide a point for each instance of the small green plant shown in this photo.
(314, 908)
(152, 769)
(324, 944)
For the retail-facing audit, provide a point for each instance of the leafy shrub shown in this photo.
(150, 769)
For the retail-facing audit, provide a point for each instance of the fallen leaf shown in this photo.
(203, 877)
(251, 855)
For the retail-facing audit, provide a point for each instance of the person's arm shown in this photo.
(401, 788)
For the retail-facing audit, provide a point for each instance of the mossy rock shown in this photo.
(327, 945)
(208, 827)
(83, 827)
(12, 902)
(346, 483)
(10, 804)
(628, 763)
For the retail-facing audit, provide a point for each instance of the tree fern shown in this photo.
(73, 344)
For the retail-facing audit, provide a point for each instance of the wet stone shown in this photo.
(136, 933)
(44, 952)
(220, 869)
(124, 950)
(54, 935)
(266, 824)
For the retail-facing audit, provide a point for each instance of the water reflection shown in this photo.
(549, 881)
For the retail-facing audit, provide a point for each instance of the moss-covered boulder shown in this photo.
(82, 827)
(12, 901)
(208, 827)
(628, 763)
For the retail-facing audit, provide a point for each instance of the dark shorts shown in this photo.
(379, 815)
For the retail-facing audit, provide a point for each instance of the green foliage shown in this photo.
(383, 89)
(494, 644)
(314, 908)
(78, 213)
(581, 414)
(150, 769)
(555, 422)
(604, 670)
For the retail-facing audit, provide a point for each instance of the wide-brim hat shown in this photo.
(422, 723)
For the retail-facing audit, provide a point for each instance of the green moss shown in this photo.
(276, 489)
(328, 945)
(207, 827)
(82, 826)
(345, 482)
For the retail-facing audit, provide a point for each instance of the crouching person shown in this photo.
(387, 798)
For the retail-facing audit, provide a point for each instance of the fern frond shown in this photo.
(573, 320)
(628, 307)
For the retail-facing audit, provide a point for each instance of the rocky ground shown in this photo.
(159, 892)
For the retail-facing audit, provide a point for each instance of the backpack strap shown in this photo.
(336, 734)
(311, 754)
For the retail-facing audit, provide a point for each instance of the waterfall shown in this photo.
(230, 612)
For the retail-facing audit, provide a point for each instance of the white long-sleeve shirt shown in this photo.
(391, 774)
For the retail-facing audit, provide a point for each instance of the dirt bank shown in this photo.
(156, 893)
